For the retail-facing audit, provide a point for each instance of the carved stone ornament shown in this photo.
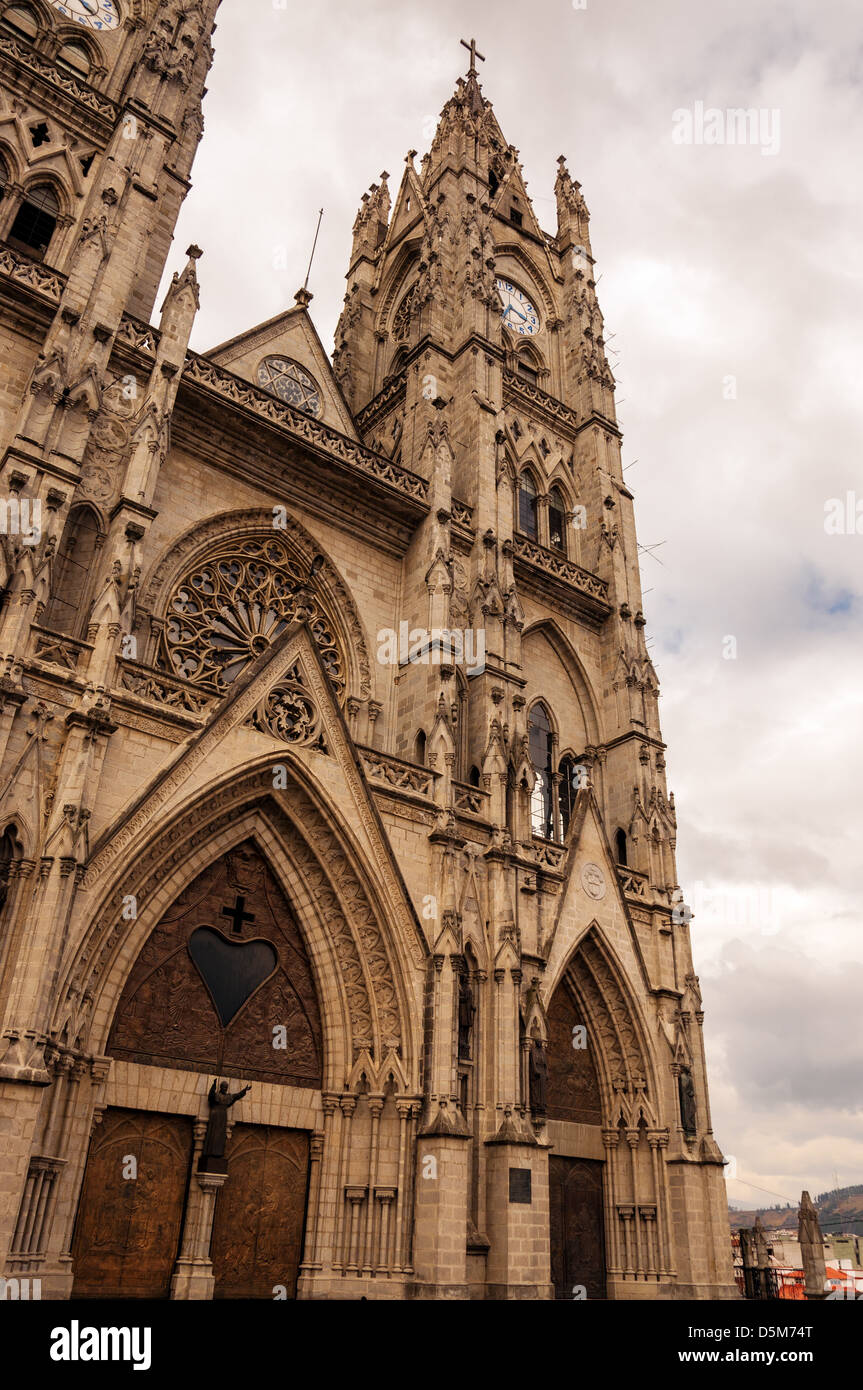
(290, 714)
(593, 881)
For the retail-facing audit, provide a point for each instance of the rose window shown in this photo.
(291, 383)
(225, 612)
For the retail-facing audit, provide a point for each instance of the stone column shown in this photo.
(193, 1278)
(316, 1153)
(347, 1105)
(385, 1197)
(355, 1197)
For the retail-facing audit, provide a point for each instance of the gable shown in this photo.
(291, 338)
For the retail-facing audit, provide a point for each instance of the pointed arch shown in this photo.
(360, 960)
(395, 286)
(527, 504)
(558, 639)
(527, 269)
(624, 1060)
(74, 571)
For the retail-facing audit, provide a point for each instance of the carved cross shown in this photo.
(238, 916)
(472, 50)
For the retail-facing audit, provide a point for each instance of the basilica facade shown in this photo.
(342, 952)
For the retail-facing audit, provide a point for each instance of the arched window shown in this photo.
(420, 748)
(620, 847)
(527, 515)
(557, 521)
(541, 755)
(35, 221)
(75, 58)
(474, 777)
(22, 19)
(10, 850)
(571, 775)
(69, 606)
(527, 371)
(4, 176)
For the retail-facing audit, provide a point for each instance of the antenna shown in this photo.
(314, 248)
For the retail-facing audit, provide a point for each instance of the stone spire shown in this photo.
(811, 1247)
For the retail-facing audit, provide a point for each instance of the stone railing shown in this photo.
(633, 883)
(382, 402)
(158, 688)
(561, 568)
(24, 56)
(400, 776)
(141, 336)
(471, 799)
(534, 395)
(548, 854)
(32, 274)
(462, 514)
(303, 426)
(56, 649)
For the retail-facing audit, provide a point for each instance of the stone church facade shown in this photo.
(331, 761)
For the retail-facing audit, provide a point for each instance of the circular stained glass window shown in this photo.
(291, 383)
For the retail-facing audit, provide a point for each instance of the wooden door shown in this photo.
(130, 1215)
(577, 1227)
(259, 1224)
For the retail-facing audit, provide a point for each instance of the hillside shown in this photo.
(840, 1212)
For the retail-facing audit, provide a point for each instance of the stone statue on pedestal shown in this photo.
(216, 1138)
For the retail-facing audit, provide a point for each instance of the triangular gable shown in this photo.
(592, 894)
(290, 334)
(409, 207)
(513, 187)
(246, 729)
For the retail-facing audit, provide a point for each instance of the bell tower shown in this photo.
(100, 119)
(472, 350)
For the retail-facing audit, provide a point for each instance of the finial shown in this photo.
(194, 253)
(303, 297)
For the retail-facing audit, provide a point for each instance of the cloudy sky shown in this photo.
(732, 278)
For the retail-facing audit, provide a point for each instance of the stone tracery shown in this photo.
(223, 613)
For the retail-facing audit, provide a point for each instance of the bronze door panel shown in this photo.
(128, 1229)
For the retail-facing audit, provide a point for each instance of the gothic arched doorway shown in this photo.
(223, 986)
(576, 1210)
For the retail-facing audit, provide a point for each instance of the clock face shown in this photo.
(519, 315)
(95, 14)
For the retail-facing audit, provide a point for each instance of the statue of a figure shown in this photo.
(466, 1012)
(537, 1074)
(216, 1137)
(811, 1247)
(688, 1112)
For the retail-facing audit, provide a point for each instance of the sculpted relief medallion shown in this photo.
(593, 881)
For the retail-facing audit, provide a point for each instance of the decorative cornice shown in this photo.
(32, 274)
(533, 397)
(386, 398)
(558, 567)
(23, 56)
(303, 427)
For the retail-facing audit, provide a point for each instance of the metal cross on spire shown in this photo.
(474, 54)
